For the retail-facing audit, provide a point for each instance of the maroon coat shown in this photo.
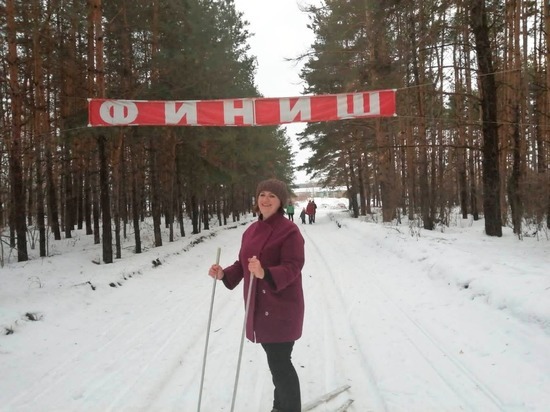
(276, 312)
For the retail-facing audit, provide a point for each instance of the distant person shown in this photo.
(314, 209)
(303, 215)
(272, 250)
(310, 210)
(290, 211)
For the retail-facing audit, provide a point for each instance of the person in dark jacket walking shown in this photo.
(272, 250)
(303, 215)
(310, 210)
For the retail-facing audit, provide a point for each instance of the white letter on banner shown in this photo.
(301, 108)
(174, 115)
(358, 102)
(230, 112)
(118, 112)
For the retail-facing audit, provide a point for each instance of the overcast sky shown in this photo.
(280, 32)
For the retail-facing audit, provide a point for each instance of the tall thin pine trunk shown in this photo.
(96, 26)
(135, 198)
(105, 203)
(14, 144)
(491, 173)
(155, 190)
(545, 149)
(422, 161)
(40, 127)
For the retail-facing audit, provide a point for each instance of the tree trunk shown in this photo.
(53, 210)
(14, 145)
(68, 214)
(423, 176)
(40, 127)
(361, 175)
(88, 198)
(471, 154)
(96, 207)
(116, 162)
(543, 165)
(491, 173)
(386, 175)
(195, 214)
(96, 26)
(353, 185)
(156, 191)
(105, 203)
(514, 193)
(206, 215)
(411, 171)
(135, 192)
(461, 138)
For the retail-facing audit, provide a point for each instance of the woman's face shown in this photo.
(268, 203)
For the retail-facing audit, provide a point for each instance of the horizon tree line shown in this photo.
(62, 175)
(472, 129)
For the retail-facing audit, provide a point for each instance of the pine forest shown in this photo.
(472, 131)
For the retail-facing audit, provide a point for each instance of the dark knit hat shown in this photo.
(274, 186)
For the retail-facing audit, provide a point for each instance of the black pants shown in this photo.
(287, 386)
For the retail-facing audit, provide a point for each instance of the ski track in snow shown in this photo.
(429, 365)
(140, 360)
(455, 381)
(339, 340)
(123, 344)
(119, 345)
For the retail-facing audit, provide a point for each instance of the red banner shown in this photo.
(241, 112)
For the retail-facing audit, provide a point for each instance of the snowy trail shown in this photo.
(410, 337)
(341, 350)
(420, 357)
(403, 340)
(121, 360)
(123, 343)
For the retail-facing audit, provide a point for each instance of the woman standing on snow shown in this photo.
(272, 250)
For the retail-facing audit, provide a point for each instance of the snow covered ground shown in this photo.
(449, 320)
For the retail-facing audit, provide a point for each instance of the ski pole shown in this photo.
(242, 341)
(208, 330)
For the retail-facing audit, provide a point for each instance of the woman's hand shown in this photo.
(255, 267)
(216, 271)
